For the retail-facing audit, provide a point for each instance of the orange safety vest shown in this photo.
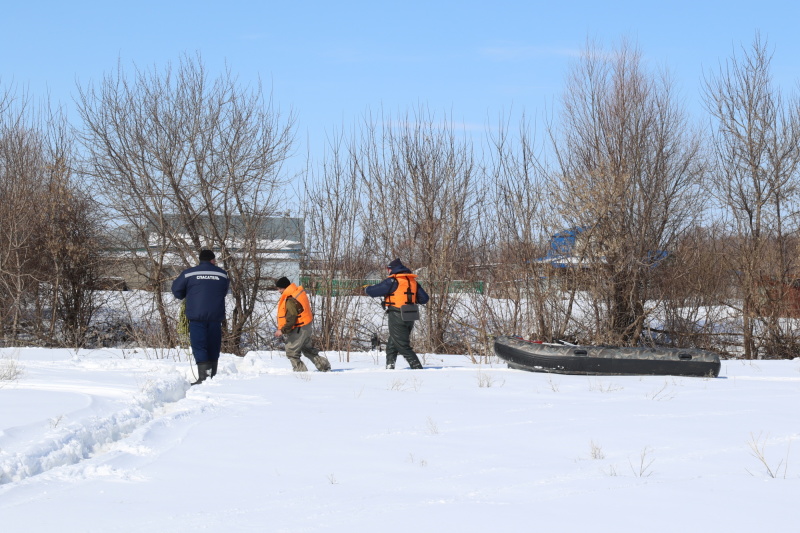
(299, 294)
(405, 293)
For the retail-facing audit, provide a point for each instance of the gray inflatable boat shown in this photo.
(605, 360)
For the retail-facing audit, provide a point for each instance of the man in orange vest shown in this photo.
(400, 292)
(294, 323)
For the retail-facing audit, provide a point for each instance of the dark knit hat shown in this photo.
(207, 255)
(283, 282)
(395, 265)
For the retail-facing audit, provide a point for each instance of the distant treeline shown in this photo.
(686, 226)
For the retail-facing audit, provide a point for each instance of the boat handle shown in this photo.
(579, 352)
(685, 356)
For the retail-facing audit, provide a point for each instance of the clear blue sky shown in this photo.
(332, 61)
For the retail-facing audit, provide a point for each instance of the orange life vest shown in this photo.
(299, 294)
(405, 293)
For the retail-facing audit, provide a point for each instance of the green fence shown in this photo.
(336, 287)
(456, 286)
(345, 287)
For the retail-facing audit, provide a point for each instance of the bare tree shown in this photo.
(186, 162)
(22, 166)
(421, 183)
(513, 229)
(48, 241)
(756, 141)
(629, 169)
(338, 257)
(72, 246)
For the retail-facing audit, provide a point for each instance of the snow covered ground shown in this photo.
(116, 440)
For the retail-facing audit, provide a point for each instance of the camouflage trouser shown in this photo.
(298, 341)
(400, 341)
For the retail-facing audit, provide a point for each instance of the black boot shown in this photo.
(203, 370)
(413, 362)
(214, 364)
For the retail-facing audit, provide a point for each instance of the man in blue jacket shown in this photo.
(399, 291)
(204, 287)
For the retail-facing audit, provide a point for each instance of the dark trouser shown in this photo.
(298, 341)
(400, 340)
(206, 339)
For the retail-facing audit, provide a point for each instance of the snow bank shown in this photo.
(80, 439)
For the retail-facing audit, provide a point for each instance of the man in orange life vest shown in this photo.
(399, 289)
(294, 323)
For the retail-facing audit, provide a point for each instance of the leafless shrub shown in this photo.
(758, 450)
(339, 252)
(486, 380)
(642, 468)
(422, 462)
(596, 452)
(433, 427)
(10, 370)
(598, 385)
(524, 294)
(49, 242)
(663, 393)
(402, 385)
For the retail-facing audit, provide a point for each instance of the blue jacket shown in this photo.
(204, 288)
(389, 285)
